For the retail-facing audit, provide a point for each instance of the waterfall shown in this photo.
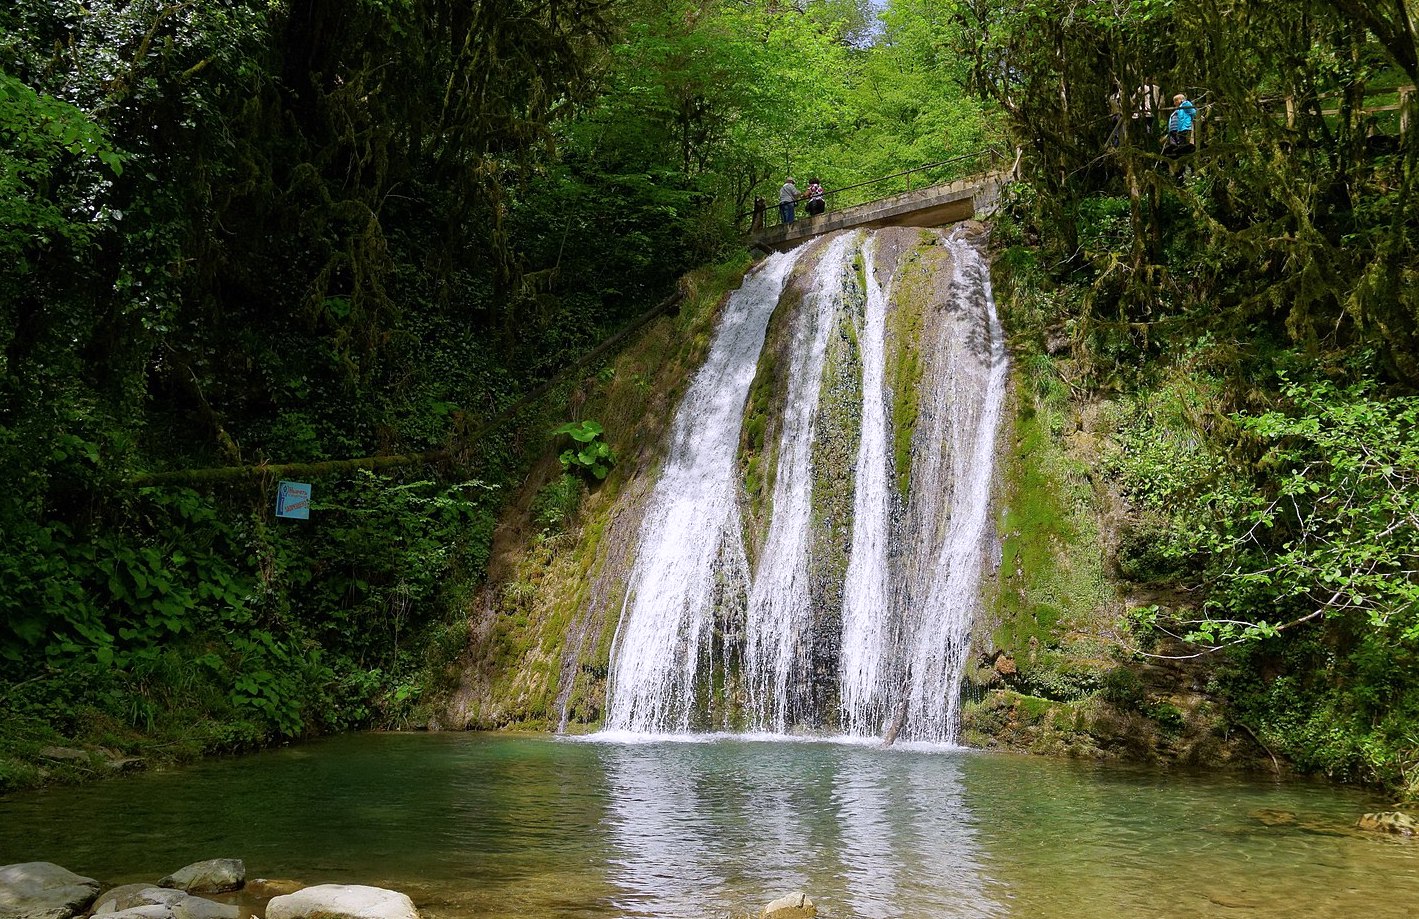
(951, 486)
(866, 630)
(695, 632)
(690, 544)
(776, 630)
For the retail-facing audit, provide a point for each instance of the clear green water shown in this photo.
(477, 825)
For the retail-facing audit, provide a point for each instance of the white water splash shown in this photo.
(776, 634)
(963, 412)
(691, 545)
(867, 621)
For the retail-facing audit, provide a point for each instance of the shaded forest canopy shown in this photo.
(297, 231)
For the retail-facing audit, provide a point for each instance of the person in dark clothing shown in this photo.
(816, 203)
(760, 207)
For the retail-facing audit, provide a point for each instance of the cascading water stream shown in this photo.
(966, 398)
(691, 545)
(913, 566)
(779, 619)
(866, 629)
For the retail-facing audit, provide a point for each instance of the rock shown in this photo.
(216, 875)
(1395, 822)
(149, 911)
(272, 887)
(190, 907)
(43, 890)
(1273, 817)
(126, 764)
(130, 895)
(1005, 665)
(65, 753)
(178, 905)
(796, 905)
(342, 901)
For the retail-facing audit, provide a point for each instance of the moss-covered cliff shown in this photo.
(1057, 666)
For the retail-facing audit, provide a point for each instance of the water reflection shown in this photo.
(868, 832)
(487, 827)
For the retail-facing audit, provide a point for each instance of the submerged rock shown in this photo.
(216, 875)
(796, 905)
(43, 890)
(1397, 823)
(272, 887)
(342, 901)
(1270, 816)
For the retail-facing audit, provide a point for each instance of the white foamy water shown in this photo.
(952, 483)
(910, 591)
(690, 546)
(867, 621)
(776, 634)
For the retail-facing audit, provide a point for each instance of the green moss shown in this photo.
(904, 367)
(833, 464)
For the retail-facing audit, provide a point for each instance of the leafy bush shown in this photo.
(592, 455)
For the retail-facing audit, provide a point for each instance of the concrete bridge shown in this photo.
(933, 206)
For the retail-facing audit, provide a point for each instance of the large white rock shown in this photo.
(43, 890)
(342, 901)
(796, 905)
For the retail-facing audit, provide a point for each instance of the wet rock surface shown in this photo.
(1395, 823)
(796, 905)
(216, 875)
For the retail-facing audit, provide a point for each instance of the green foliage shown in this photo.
(592, 455)
(557, 502)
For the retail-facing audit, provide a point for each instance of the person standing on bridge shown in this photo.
(816, 203)
(787, 197)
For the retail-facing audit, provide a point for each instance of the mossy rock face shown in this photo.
(1055, 668)
(912, 287)
(834, 463)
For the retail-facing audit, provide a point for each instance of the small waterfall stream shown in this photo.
(867, 633)
(691, 540)
(702, 641)
(775, 640)
(953, 492)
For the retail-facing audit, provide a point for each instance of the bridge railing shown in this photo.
(925, 176)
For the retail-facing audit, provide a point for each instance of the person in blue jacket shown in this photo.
(1180, 127)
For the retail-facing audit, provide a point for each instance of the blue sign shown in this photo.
(293, 500)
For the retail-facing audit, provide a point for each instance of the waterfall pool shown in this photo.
(476, 825)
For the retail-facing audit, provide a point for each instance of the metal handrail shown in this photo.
(993, 152)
